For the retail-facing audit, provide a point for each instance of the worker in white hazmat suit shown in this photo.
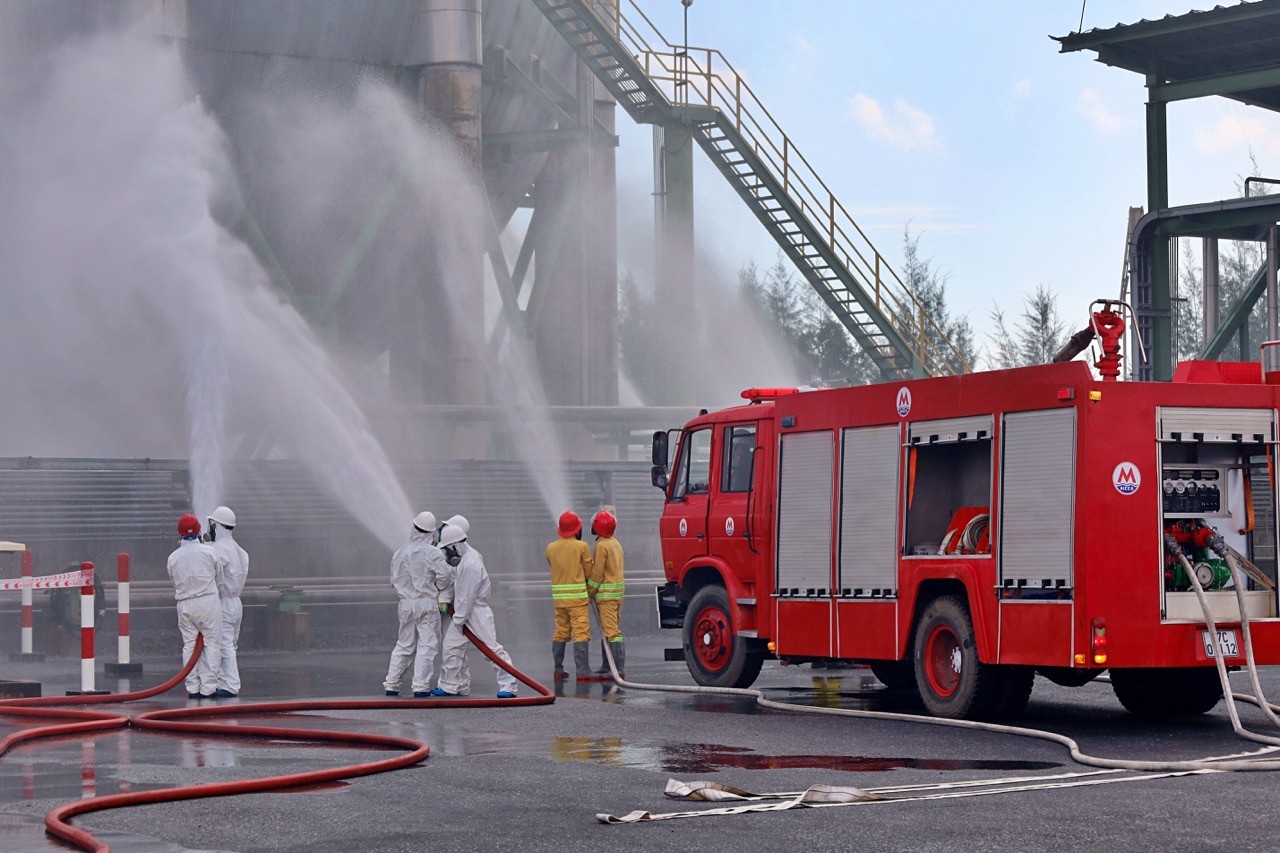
(417, 572)
(233, 570)
(193, 568)
(471, 591)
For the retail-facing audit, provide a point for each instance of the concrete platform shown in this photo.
(534, 778)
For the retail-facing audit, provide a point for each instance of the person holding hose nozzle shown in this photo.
(606, 587)
(570, 561)
(193, 568)
(471, 609)
(415, 574)
(233, 570)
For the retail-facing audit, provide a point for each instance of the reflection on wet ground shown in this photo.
(674, 757)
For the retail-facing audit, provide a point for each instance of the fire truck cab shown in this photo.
(960, 534)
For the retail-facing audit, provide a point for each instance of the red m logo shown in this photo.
(1126, 475)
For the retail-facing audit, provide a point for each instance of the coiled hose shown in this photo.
(194, 721)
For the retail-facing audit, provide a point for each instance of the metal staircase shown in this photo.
(657, 82)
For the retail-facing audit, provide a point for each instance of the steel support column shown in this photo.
(602, 297)
(441, 361)
(1212, 301)
(674, 279)
(1154, 311)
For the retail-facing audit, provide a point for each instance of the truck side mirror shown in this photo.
(658, 476)
(660, 449)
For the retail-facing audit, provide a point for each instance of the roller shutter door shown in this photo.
(805, 472)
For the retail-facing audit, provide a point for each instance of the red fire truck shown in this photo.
(960, 534)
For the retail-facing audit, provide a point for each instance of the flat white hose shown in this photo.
(1232, 763)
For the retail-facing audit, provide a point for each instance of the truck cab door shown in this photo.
(684, 520)
(730, 531)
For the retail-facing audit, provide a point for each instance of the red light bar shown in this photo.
(767, 393)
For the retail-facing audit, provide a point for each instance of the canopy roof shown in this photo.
(1232, 51)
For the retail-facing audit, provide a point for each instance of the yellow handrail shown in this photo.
(703, 77)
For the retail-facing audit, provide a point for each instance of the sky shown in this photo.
(1014, 164)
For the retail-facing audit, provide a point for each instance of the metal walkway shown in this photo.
(660, 83)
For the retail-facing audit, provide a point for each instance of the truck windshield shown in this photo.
(693, 471)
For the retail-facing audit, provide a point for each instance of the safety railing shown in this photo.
(703, 77)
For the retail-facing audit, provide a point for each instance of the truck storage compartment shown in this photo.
(948, 488)
(1217, 476)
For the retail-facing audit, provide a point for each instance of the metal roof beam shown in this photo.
(1222, 84)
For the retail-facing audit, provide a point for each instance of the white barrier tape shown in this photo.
(66, 579)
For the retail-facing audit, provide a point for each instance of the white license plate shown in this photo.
(1226, 642)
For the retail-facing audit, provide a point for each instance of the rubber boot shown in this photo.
(619, 649)
(604, 672)
(557, 655)
(582, 660)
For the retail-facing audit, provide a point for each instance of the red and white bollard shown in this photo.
(28, 623)
(123, 666)
(87, 662)
(28, 652)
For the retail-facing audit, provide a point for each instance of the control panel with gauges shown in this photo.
(1194, 491)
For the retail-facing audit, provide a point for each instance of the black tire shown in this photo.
(1015, 691)
(713, 651)
(895, 674)
(952, 681)
(1167, 692)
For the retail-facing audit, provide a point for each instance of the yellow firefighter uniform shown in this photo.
(570, 561)
(606, 585)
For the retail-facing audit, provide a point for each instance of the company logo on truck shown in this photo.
(904, 401)
(1126, 478)
(684, 527)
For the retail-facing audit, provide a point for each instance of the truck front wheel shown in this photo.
(952, 681)
(715, 654)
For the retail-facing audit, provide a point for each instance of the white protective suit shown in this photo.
(233, 570)
(193, 568)
(417, 571)
(470, 608)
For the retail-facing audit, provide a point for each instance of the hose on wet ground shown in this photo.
(193, 721)
(1245, 762)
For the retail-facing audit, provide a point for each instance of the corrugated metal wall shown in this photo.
(70, 510)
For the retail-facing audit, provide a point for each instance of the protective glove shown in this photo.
(459, 623)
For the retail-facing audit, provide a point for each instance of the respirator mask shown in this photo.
(451, 555)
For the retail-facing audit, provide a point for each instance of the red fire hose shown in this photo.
(190, 721)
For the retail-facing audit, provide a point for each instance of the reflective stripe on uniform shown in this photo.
(610, 590)
(561, 591)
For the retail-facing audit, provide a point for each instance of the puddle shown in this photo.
(686, 758)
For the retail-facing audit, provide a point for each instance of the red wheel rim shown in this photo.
(711, 638)
(943, 660)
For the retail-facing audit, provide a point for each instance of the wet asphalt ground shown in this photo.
(535, 778)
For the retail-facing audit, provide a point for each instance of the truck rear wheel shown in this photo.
(715, 654)
(951, 680)
(1167, 692)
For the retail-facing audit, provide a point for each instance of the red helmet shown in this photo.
(604, 523)
(188, 526)
(570, 524)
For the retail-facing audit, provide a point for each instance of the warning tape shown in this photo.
(66, 579)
